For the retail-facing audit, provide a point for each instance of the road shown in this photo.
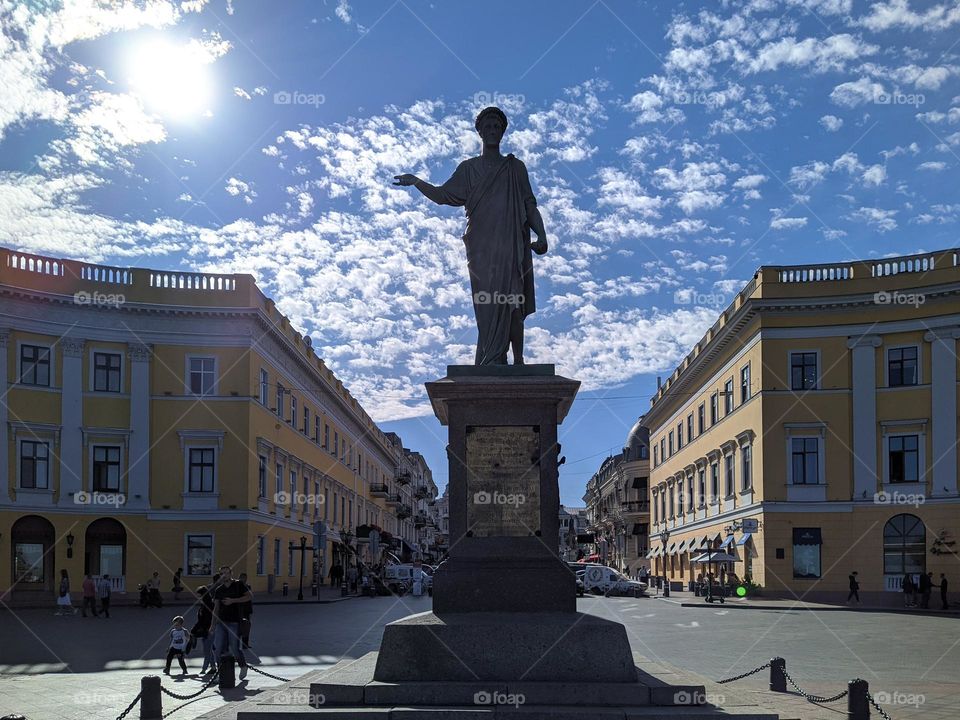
(53, 667)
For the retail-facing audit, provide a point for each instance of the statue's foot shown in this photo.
(518, 360)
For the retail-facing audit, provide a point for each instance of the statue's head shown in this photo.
(491, 124)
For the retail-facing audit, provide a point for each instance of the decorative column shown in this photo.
(5, 472)
(864, 365)
(71, 420)
(943, 420)
(138, 467)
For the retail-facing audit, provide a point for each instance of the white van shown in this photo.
(607, 581)
(395, 575)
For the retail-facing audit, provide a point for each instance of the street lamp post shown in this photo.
(664, 536)
(303, 554)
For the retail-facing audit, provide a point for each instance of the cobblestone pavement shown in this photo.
(53, 667)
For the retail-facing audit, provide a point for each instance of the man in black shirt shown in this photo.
(230, 598)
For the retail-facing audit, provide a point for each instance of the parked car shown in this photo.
(603, 580)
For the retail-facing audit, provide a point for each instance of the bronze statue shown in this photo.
(501, 211)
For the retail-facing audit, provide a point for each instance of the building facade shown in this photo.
(156, 420)
(617, 505)
(813, 430)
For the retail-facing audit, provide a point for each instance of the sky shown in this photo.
(674, 148)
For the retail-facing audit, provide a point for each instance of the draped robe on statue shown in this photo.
(497, 238)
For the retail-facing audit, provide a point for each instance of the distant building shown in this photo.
(813, 432)
(617, 505)
(573, 524)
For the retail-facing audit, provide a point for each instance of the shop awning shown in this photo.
(727, 542)
(744, 539)
(672, 548)
(651, 554)
(682, 547)
(714, 557)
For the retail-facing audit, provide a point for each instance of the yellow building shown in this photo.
(812, 432)
(156, 420)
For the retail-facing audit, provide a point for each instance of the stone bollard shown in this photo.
(226, 680)
(858, 700)
(778, 678)
(151, 699)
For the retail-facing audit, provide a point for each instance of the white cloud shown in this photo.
(857, 92)
(788, 223)
(831, 54)
(831, 123)
(880, 219)
(343, 11)
(898, 14)
(934, 165)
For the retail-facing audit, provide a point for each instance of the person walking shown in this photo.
(908, 590)
(926, 582)
(177, 585)
(203, 629)
(854, 588)
(104, 591)
(179, 637)
(230, 597)
(64, 604)
(246, 610)
(943, 592)
(336, 574)
(352, 578)
(89, 596)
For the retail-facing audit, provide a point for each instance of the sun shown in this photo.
(172, 79)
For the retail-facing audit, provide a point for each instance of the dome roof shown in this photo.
(638, 441)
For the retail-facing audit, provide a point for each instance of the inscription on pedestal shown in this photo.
(503, 480)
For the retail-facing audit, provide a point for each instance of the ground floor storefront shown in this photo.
(811, 553)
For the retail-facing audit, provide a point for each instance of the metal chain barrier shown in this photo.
(746, 674)
(815, 698)
(263, 672)
(175, 696)
(877, 707)
(130, 707)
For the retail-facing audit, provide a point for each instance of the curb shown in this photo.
(182, 603)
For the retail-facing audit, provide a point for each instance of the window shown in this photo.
(679, 435)
(728, 461)
(279, 479)
(199, 555)
(336, 499)
(702, 486)
(326, 504)
(35, 365)
(28, 564)
(690, 428)
(714, 481)
(293, 491)
(700, 419)
(106, 469)
(106, 372)
(805, 461)
(904, 458)
(264, 386)
(202, 375)
(902, 366)
(293, 411)
(714, 410)
(201, 470)
(663, 449)
(316, 429)
(670, 499)
(280, 392)
(316, 499)
(276, 556)
(656, 509)
(34, 465)
(806, 552)
(306, 420)
(326, 437)
(290, 559)
(680, 499)
(262, 476)
(803, 371)
(336, 443)
(656, 456)
(670, 443)
(343, 450)
(690, 493)
(344, 521)
(744, 384)
(904, 546)
(746, 467)
(728, 397)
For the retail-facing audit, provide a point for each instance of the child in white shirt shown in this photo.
(179, 637)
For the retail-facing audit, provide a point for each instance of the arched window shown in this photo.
(904, 545)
